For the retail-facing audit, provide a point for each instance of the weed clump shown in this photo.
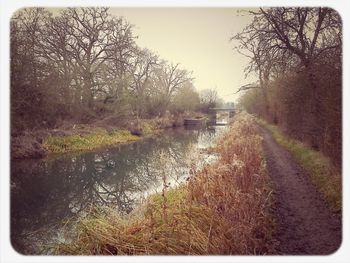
(223, 209)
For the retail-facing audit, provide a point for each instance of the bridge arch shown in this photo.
(216, 115)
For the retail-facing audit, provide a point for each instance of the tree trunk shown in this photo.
(87, 93)
(315, 122)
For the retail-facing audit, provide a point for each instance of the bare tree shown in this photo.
(168, 79)
(117, 73)
(27, 69)
(89, 31)
(141, 70)
(83, 61)
(285, 39)
(276, 34)
(54, 49)
(208, 97)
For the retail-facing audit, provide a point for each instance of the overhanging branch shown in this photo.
(247, 86)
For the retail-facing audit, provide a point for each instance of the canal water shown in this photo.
(47, 192)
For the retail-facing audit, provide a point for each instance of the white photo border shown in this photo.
(8, 254)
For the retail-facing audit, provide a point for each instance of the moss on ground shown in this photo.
(322, 173)
(97, 139)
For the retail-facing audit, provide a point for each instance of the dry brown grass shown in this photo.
(223, 209)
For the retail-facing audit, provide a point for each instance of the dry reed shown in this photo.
(223, 209)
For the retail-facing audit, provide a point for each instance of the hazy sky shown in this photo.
(198, 39)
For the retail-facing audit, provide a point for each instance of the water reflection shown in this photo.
(45, 192)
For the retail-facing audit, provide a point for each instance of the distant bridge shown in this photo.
(216, 112)
(222, 109)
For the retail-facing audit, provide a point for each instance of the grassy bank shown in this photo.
(71, 136)
(224, 208)
(324, 176)
(97, 139)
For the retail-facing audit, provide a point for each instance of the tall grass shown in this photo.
(323, 174)
(224, 208)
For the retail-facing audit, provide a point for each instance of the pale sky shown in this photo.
(198, 39)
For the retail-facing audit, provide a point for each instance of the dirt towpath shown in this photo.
(305, 224)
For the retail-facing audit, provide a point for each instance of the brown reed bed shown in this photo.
(223, 209)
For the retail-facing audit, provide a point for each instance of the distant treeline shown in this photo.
(84, 62)
(297, 55)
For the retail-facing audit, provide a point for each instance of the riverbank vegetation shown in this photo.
(297, 55)
(107, 131)
(224, 208)
(80, 66)
(58, 144)
(323, 174)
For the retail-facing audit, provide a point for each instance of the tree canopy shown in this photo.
(296, 53)
(84, 62)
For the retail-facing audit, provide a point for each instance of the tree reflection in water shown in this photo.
(45, 192)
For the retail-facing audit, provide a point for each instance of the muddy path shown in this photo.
(305, 224)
